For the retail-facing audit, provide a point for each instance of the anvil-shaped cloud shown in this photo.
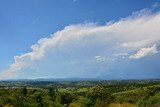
(89, 49)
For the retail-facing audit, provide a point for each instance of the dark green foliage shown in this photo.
(38, 99)
(24, 91)
(66, 98)
(100, 93)
(80, 93)
(52, 93)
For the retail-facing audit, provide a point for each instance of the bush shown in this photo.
(100, 93)
(122, 105)
(74, 105)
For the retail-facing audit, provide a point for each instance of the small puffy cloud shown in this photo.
(121, 54)
(145, 52)
(100, 58)
(72, 49)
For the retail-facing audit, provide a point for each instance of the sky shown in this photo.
(107, 39)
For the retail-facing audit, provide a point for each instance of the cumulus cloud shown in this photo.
(75, 46)
(145, 52)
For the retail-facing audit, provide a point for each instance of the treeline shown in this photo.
(95, 96)
(119, 85)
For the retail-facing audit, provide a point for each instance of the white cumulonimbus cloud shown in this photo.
(80, 43)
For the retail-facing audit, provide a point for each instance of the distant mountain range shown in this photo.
(71, 79)
(56, 79)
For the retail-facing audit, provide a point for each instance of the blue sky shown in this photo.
(93, 52)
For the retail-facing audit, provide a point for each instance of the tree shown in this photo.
(38, 98)
(66, 98)
(24, 91)
(52, 93)
(100, 93)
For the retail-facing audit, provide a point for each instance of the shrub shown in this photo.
(122, 105)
